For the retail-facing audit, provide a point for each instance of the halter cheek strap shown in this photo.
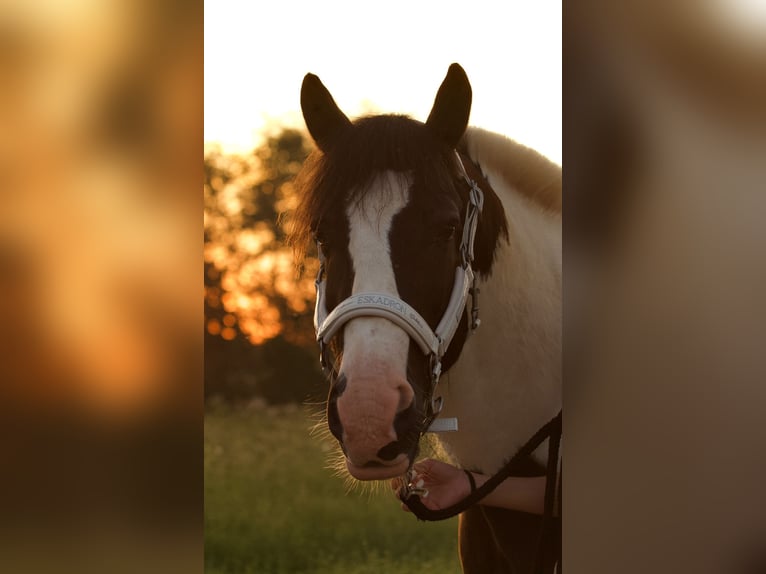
(433, 343)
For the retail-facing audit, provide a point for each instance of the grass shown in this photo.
(272, 506)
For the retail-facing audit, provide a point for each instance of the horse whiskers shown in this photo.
(336, 459)
(321, 431)
(313, 407)
(336, 462)
(368, 488)
(316, 413)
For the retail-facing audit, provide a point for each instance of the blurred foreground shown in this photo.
(665, 201)
(100, 353)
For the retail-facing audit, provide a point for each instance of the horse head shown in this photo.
(386, 200)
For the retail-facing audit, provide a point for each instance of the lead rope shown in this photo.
(551, 430)
(547, 535)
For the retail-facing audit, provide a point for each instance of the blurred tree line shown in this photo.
(258, 310)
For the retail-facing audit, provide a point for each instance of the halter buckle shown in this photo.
(473, 209)
(436, 369)
(474, 291)
(475, 195)
(322, 360)
(437, 403)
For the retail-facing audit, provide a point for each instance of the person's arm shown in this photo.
(447, 485)
(526, 494)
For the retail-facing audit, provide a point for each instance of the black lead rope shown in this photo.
(552, 430)
(547, 533)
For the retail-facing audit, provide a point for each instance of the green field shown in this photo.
(272, 507)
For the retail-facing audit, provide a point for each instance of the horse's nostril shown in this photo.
(390, 451)
(406, 428)
(333, 421)
(333, 417)
(339, 386)
(406, 420)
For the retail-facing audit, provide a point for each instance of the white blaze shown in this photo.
(374, 349)
(375, 346)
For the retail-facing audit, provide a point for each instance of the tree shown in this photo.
(258, 327)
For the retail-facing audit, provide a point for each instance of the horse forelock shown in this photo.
(343, 174)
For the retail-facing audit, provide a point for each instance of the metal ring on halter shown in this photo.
(411, 488)
(437, 403)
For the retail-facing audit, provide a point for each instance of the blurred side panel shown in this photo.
(665, 276)
(100, 286)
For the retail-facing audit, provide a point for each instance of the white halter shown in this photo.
(434, 343)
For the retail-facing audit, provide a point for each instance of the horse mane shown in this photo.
(529, 172)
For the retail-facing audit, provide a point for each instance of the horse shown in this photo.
(389, 202)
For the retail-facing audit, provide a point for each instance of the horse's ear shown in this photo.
(322, 115)
(449, 116)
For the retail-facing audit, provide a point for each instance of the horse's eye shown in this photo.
(447, 232)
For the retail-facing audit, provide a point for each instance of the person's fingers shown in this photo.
(426, 471)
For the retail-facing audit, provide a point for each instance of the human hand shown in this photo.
(445, 484)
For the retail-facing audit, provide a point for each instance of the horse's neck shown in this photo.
(507, 382)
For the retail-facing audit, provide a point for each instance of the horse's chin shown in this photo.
(378, 472)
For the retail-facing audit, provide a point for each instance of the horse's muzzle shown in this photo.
(372, 418)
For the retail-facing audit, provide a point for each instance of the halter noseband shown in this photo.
(433, 343)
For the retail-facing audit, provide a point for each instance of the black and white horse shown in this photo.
(391, 203)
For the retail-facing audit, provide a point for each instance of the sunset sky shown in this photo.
(385, 57)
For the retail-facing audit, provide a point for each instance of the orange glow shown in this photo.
(213, 298)
(228, 333)
(229, 283)
(213, 327)
(257, 274)
(244, 302)
(253, 240)
(98, 218)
